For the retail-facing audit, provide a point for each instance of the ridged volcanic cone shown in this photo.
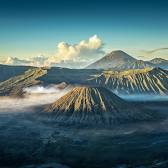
(94, 105)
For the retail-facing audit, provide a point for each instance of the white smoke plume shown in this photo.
(42, 90)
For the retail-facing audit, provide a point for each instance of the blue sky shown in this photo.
(32, 27)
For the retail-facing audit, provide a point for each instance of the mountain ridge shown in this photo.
(14, 86)
(152, 81)
(119, 60)
(144, 81)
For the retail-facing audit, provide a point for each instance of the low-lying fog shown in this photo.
(34, 96)
(145, 97)
(40, 95)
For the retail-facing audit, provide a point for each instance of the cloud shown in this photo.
(16, 61)
(85, 50)
(35, 61)
(155, 50)
(34, 96)
(39, 60)
(67, 55)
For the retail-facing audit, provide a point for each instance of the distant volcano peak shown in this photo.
(113, 60)
(118, 52)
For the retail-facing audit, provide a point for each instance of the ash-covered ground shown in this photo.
(28, 140)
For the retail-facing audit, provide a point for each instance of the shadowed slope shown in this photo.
(93, 105)
(11, 71)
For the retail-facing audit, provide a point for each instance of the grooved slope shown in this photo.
(146, 81)
(13, 86)
(93, 105)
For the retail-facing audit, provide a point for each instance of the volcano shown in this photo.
(114, 60)
(93, 106)
(119, 60)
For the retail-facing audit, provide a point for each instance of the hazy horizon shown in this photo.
(80, 32)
